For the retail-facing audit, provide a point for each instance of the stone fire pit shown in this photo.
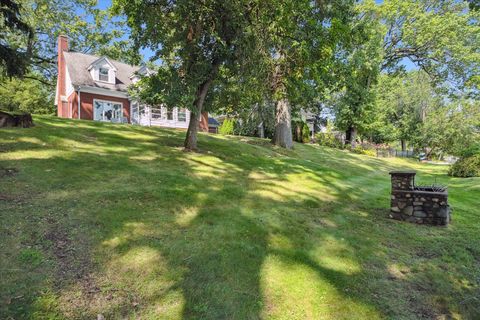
(424, 205)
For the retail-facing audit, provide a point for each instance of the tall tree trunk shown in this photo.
(351, 137)
(404, 144)
(348, 136)
(192, 131)
(190, 143)
(283, 124)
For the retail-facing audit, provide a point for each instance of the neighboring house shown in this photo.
(213, 125)
(96, 88)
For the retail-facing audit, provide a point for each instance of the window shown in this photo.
(107, 111)
(103, 74)
(182, 115)
(169, 114)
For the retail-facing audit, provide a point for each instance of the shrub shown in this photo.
(305, 133)
(471, 151)
(366, 151)
(328, 139)
(466, 166)
(227, 127)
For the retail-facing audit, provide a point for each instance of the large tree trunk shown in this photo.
(351, 137)
(190, 143)
(283, 124)
(191, 138)
(404, 144)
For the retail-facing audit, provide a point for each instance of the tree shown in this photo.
(195, 40)
(89, 29)
(354, 107)
(14, 55)
(450, 128)
(402, 102)
(440, 37)
(300, 40)
(26, 95)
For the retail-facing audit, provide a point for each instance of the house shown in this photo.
(90, 87)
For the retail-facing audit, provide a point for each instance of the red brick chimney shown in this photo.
(61, 90)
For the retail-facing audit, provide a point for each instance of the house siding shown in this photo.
(86, 105)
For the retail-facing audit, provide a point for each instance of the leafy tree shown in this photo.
(14, 55)
(402, 102)
(354, 106)
(300, 40)
(89, 29)
(195, 40)
(440, 37)
(26, 95)
(450, 128)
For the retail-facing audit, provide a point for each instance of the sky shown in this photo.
(147, 53)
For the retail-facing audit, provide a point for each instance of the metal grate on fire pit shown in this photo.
(431, 188)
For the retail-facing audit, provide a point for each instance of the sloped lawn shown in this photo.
(118, 220)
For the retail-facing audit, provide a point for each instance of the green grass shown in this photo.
(117, 220)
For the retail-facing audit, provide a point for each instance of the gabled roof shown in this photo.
(141, 72)
(78, 65)
(100, 60)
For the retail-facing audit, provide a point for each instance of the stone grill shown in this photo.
(423, 205)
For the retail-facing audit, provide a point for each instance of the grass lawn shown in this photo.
(117, 220)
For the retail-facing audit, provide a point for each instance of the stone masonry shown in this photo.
(423, 205)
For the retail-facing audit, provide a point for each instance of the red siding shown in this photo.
(86, 102)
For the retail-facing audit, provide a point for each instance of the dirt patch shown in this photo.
(7, 172)
(71, 255)
(6, 197)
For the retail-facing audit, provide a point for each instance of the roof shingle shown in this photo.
(78, 63)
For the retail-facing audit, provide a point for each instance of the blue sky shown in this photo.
(147, 53)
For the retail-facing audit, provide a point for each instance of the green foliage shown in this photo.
(474, 149)
(441, 37)
(328, 139)
(363, 150)
(402, 102)
(354, 104)
(467, 166)
(305, 133)
(14, 55)
(26, 95)
(227, 127)
(450, 128)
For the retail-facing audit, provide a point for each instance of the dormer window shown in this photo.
(103, 74)
(103, 70)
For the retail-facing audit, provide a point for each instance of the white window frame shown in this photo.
(100, 74)
(107, 101)
(178, 112)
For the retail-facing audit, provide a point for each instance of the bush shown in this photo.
(328, 139)
(305, 133)
(471, 151)
(365, 151)
(227, 127)
(466, 166)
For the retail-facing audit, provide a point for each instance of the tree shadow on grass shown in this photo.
(190, 236)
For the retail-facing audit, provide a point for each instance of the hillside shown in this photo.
(117, 220)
